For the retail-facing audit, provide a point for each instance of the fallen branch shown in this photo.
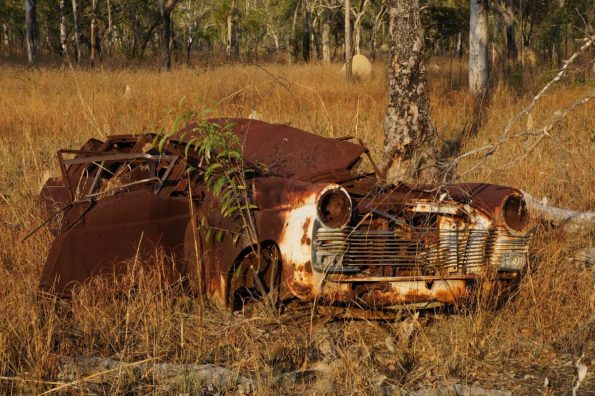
(486, 151)
(570, 220)
(94, 369)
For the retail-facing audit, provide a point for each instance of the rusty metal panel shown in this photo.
(386, 244)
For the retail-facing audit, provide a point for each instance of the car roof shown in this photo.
(287, 151)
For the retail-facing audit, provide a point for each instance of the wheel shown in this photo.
(256, 276)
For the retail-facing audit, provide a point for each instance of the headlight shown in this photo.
(514, 213)
(334, 207)
(513, 261)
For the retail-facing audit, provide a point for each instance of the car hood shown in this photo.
(286, 151)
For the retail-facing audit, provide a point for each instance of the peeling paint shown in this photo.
(389, 244)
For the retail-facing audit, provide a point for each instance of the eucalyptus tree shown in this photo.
(75, 23)
(165, 9)
(359, 13)
(478, 48)
(348, 50)
(233, 31)
(409, 137)
(31, 31)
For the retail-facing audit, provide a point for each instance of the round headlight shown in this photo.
(515, 213)
(334, 208)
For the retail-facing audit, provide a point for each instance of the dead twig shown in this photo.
(489, 149)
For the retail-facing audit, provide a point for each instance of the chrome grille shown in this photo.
(426, 249)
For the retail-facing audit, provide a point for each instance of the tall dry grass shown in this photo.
(537, 334)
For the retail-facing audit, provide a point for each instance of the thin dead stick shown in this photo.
(89, 377)
(490, 149)
(17, 379)
(588, 42)
(542, 133)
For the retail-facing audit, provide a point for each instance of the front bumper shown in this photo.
(385, 292)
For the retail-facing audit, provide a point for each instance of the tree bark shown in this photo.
(306, 33)
(233, 32)
(109, 28)
(375, 27)
(459, 49)
(92, 33)
(62, 29)
(31, 30)
(511, 47)
(165, 9)
(326, 36)
(478, 48)
(409, 137)
(77, 39)
(292, 44)
(314, 33)
(570, 220)
(5, 40)
(357, 26)
(348, 50)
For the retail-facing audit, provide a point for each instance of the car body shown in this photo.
(326, 231)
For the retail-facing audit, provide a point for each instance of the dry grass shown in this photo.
(535, 335)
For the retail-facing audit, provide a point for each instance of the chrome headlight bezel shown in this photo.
(334, 207)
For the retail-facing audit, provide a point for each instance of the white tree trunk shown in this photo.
(62, 28)
(348, 50)
(109, 28)
(5, 39)
(570, 220)
(326, 37)
(358, 38)
(75, 21)
(92, 32)
(233, 32)
(30, 30)
(478, 48)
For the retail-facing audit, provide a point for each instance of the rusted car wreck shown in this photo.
(329, 231)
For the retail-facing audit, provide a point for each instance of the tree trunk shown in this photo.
(511, 47)
(314, 33)
(165, 9)
(189, 42)
(92, 33)
(357, 26)
(478, 48)
(326, 36)
(233, 32)
(292, 44)
(109, 29)
(459, 50)
(31, 30)
(306, 33)
(358, 37)
(77, 39)
(409, 137)
(62, 29)
(348, 51)
(377, 24)
(5, 40)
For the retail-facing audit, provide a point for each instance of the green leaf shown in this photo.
(218, 186)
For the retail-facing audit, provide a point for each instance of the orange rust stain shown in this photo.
(305, 239)
(300, 289)
(413, 297)
(444, 296)
(309, 267)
